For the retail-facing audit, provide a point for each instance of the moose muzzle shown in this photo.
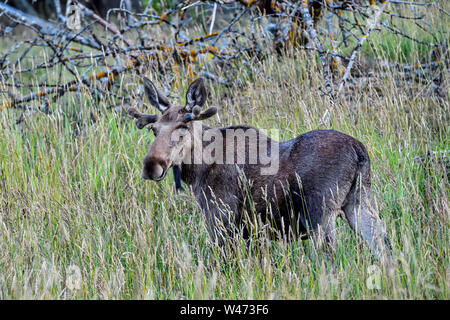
(154, 169)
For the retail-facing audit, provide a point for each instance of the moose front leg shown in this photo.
(220, 218)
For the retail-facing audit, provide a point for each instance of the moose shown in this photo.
(320, 175)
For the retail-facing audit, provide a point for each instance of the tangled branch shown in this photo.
(94, 51)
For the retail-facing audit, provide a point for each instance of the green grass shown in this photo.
(395, 47)
(75, 198)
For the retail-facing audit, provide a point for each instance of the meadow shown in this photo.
(78, 222)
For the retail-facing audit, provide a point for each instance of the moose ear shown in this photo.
(154, 96)
(196, 94)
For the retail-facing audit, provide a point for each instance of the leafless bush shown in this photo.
(214, 39)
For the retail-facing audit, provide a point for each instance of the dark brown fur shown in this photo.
(321, 174)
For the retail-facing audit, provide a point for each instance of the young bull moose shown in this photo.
(307, 182)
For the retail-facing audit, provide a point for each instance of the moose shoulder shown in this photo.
(297, 187)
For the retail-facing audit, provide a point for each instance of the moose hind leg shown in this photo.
(324, 231)
(329, 234)
(317, 214)
(363, 219)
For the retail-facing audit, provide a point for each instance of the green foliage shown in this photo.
(390, 42)
(71, 196)
(160, 5)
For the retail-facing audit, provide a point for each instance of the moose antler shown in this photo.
(198, 114)
(142, 119)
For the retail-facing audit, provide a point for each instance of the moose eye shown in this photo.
(182, 128)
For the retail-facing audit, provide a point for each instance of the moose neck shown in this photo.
(211, 151)
(191, 169)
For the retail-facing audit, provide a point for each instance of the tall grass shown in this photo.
(71, 198)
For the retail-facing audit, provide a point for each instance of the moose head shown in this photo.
(171, 127)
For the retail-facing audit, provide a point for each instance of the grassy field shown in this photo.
(78, 222)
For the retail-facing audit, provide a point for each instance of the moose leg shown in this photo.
(220, 219)
(330, 233)
(327, 232)
(363, 219)
(320, 221)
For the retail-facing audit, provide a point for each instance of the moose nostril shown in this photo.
(146, 172)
